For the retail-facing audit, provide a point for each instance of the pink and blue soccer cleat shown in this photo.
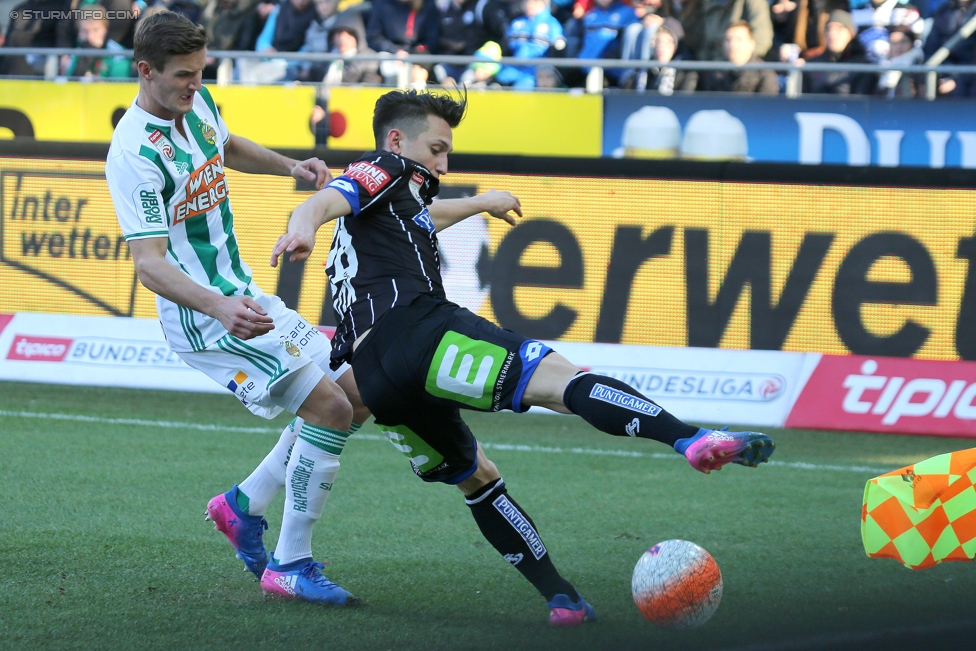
(563, 612)
(303, 580)
(709, 450)
(242, 530)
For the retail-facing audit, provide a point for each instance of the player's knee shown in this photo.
(481, 478)
(549, 382)
(484, 475)
(487, 470)
(327, 406)
(348, 384)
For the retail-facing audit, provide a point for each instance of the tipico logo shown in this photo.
(38, 349)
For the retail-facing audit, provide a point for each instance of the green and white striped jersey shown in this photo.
(164, 185)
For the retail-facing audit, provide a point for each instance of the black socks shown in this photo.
(617, 408)
(511, 531)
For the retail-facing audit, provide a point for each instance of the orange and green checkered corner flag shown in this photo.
(923, 514)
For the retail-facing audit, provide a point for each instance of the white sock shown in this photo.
(268, 479)
(309, 477)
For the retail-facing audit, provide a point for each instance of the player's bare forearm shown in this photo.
(240, 315)
(247, 156)
(447, 212)
(319, 209)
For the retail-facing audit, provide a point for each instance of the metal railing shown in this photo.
(594, 83)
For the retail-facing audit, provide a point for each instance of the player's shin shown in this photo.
(311, 471)
(616, 408)
(511, 531)
(263, 484)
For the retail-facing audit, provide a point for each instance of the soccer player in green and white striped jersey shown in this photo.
(165, 171)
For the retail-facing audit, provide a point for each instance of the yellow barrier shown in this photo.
(735, 265)
(498, 122)
(275, 116)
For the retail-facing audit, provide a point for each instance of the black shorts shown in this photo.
(424, 361)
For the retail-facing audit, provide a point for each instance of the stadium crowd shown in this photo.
(739, 31)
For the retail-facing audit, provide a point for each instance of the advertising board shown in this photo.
(855, 130)
(643, 261)
(878, 394)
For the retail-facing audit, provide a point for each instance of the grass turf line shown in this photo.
(107, 548)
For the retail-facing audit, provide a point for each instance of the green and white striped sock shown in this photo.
(311, 472)
(324, 438)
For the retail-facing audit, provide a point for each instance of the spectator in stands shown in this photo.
(842, 47)
(93, 34)
(348, 38)
(318, 38)
(740, 48)
(284, 31)
(403, 27)
(229, 22)
(548, 77)
(286, 27)
(638, 40)
(31, 32)
(705, 22)
(530, 36)
(603, 28)
(481, 74)
(666, 80)
(948, 19)
(903, 51)
(465, 26)
(121, 25)
(798, 27)
(874, 19)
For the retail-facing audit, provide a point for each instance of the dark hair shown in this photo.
(162, 36)
(407, 110)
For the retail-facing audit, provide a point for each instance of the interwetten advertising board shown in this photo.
(665, 262)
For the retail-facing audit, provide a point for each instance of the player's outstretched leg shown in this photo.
(512, 532)
(617, 408)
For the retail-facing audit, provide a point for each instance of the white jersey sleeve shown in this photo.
(136, 186)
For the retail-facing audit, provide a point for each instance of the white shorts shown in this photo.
(274, 372)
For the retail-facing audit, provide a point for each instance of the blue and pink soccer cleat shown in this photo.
(242, 530)
(709, 450)
(303, 580)
(563, 612)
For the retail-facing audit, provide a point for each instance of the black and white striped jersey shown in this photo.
(384, 252)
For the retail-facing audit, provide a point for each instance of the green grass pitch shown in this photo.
(105, 545)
